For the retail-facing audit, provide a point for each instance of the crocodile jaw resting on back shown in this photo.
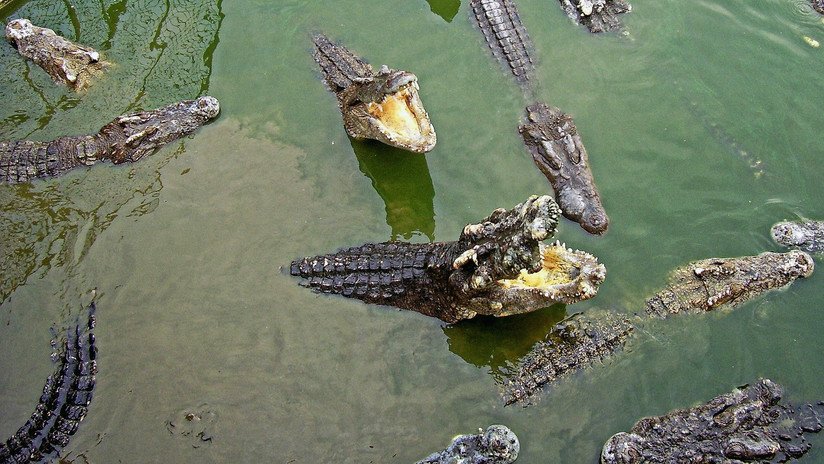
(497, 267)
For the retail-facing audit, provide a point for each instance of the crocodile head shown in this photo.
(505, 268)
(386, 107)
(134, 135)
(552, 139)
(804, 235)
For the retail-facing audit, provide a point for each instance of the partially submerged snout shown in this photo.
(565, 276)
(208, 107)
(805, 234)
(399, 118)
(144, 132)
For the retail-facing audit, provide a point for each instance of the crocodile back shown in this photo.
(340, 67)
(25, 160)
(407, 275)
(506, 35)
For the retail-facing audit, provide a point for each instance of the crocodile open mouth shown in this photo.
(566, 276)
(560, 266)
(402, 119)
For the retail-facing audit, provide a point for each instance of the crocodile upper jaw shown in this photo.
(566, 276)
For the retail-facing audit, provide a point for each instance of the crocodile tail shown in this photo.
(25, 160)
(374, 272)
(340, 66)
(64, 402)
(506, 35)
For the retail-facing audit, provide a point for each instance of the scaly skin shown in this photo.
(702, 286)
(383, 106)
(745, 425)
(553, 141)
(492, 269)
(550, 135)
(818, 5)
(571, 345)
(596, 15)
(705, 285)
(496, 445)
(506, 35)
(67, 63)
(64, 402)
(126, 139)
(805, 235)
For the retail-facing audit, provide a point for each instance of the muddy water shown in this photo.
(186, 247)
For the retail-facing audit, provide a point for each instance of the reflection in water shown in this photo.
(494, 342)
(447, 9)
(162, 52)
(402, 179)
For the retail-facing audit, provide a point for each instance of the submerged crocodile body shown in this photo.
(805, 235)
(553, 141)
(126, 139)
(701, 286)
(573, 344)
(497, 267)
(705, 285)
(67, 63)
(746, 425)
(506, 36)
(496, 445)
(596, 15)
(383, 106)
(64, 402)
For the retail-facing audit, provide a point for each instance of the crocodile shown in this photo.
(553, 141)
(806, 235)
(748, 424)
(64, 402)
(67, 63)
(506, 36)
(705, 285)
(497, 445)
(497, 267)
(818, 5)
(383, 106)
(596, 15)
(549, 134)
(128, 138)
(701, 286)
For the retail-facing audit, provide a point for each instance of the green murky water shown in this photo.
(186, 247)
